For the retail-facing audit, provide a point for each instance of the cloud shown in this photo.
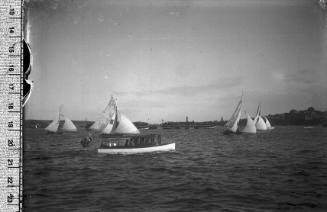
(202, 3)
(190, 90)
(303, 76)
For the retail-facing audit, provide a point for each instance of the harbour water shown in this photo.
(283, 169)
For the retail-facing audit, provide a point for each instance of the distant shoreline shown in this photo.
(309, 117)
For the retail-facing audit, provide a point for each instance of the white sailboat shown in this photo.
(232, 124)
(250, 125)
(54, 126)
(68, 125)
(104, 124)
(260, 124)
(269, 127)
(114, 122)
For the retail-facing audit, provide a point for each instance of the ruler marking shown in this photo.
(14, 111)
(12, 186)
(14, 55)
(14, 17)
(20, 188)
(11, 59)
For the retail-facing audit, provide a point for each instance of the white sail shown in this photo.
(125, 126)
(112, 121)
(53, 126)
(105, 122)
(107, 129)
(267, 123)
(250, 125)
(260, 124)
(232, 123)
(69, 126)
(95, 125)
(100, 123)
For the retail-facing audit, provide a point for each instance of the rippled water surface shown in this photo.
(284, 169)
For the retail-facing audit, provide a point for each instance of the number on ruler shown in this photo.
(11, 143)
(11, 30)
(10, 180)
(11, 106)
(10, 162)
(11, 86)
(12, 11)
(10, 124)
(10, 198)
(11, 68)
(11, 49)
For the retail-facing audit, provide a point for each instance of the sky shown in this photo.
(168, 59)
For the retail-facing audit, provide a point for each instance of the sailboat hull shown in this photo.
(138, 150)
(229, 132)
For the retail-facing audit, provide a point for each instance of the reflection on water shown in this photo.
(278, 170)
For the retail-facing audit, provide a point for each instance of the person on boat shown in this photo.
(86, 140)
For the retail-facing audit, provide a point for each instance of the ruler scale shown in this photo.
(11, 112)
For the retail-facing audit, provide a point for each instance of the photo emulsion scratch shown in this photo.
(175, 105)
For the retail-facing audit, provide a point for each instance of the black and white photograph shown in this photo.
(175, 105)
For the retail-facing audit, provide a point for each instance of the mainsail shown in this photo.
(53, 126)
(113, 121)
(250, 125)
(259, 122)
(101, 124)
(105, 123)
(111, 115)
(267, 123)
(69, 125)
(125, 126)
(232, 123)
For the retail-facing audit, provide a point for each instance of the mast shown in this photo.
(233, 121)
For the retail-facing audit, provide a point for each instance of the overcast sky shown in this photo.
(169, 59)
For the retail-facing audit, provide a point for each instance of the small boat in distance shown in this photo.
(232, 125)
(54, 126)
(118, 135)
(262, 122)
(269, 127)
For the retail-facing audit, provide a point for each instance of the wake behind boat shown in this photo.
(118, 135)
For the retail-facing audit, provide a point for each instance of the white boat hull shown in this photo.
(160, 148)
